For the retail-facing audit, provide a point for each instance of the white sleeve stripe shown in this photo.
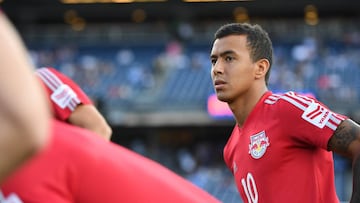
(331, 126)
(45, 81)
(306, 99)
(334, 120)
(76, 100)
(53, 82)
(274, 96)
(45, 78)
(71, 107)
(53, 77)
(50, 78)
(73, 104)
(269, 101)
(307, 102)
(294, 102)
(272, 99)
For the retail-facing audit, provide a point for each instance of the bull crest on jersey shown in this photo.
(258, 145)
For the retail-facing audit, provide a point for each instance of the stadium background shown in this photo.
(146, 66)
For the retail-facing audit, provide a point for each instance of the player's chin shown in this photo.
(221, 96)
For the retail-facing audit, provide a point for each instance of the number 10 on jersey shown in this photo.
(250, 189)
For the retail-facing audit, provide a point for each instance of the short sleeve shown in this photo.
(308, 121)
(64, 94)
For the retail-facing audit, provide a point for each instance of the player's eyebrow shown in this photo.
(224, 53)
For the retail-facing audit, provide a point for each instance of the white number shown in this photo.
(250, 189)
(12, 198)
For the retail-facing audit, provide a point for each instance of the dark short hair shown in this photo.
(258, 41)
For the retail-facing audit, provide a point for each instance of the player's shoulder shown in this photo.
(50, 76)
(291, 99)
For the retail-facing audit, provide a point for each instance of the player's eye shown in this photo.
(229, 58)
(213, 61)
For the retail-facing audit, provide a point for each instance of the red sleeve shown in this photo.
(64, 94)
(308, 121)
(84, 99)
(78, 166)
(158, 184)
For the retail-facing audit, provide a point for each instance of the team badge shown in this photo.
(258, 145)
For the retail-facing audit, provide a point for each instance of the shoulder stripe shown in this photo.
(75, 101)
(336, 119)
(291, 97)
(303, 102)
(304, 98)
(331, 126)
(44, 79)
(72, 104)
(54, 82)
(269, 101)
(272, 99)
(49, 78)
(294, 102)
(299, 99)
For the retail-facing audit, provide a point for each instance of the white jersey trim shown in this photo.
(53, 82)
(303, 103)
(272, 99)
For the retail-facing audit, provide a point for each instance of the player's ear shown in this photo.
(262, 67)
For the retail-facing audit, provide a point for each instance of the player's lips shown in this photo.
(218, 83)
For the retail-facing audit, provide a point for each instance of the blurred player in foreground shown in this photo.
(79, 167)
(280, 148)
(21, 100)
(71, 104)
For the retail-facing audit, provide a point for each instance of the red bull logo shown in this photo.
(258, 145)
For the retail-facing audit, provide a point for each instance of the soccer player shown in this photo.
(71, 104)
(281, 147)
(79, 167)
(21, 99)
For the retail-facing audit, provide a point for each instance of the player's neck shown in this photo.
(243, 106)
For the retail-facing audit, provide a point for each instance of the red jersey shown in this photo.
(64, 94)
(82, 168)
(280, 153)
